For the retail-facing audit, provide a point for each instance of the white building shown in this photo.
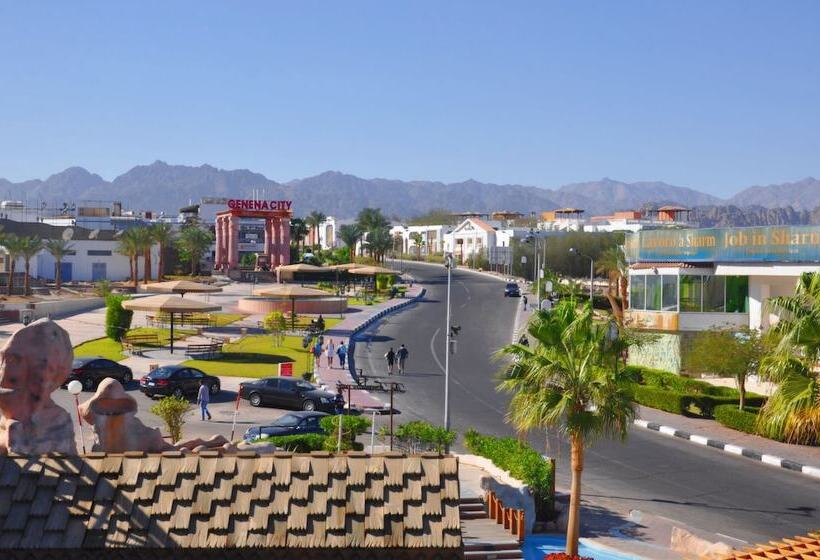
(93, 254)
(476, 237)
(432, 238)
(632, 221)
(687, 280)
(327, 234)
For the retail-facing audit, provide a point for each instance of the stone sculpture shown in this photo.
(33, 364)
(113, 414)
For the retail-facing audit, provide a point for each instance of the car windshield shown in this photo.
(78, 363)
(161, 373)
(512, 286)
(304, 386)
(288, 420)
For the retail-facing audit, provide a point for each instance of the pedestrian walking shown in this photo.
(329, 350)
(341, 351)
(317, 353)
(402, 357)
(524, 299)
(524, 341)
(390, 356)
(203, 397)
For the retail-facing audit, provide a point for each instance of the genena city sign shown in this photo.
(270, 205)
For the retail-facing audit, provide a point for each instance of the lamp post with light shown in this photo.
(574, 251)
(75, 388)
(448, 263)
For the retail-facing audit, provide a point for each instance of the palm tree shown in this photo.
(792, 412)
(29, 247)
(298, 231)
(144, 240)
(379, 241)
(164, 235)
(194, 240)
(612, 263)
(569, 379)
(129, 246)
(369, 221)
(14, 247)
(313, 221)
(418, 241)
(350, 235)
(59, 249)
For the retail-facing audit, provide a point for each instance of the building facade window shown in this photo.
(637, 292)
(689, 293)
(670, 293)
(737, 294)
(691, 288)
(654, 292)
(99, 253)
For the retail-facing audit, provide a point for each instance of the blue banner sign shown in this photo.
(790, 244)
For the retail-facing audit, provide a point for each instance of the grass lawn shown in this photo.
(103, 347)
(163, 334)
(255, 356)
(361, 301)
(224, 319)
(303, 321)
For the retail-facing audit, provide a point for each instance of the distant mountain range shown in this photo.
(163, 187)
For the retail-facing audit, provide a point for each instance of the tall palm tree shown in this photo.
(298, 231)
(612, 263)
(569, 379)
(350, 235)
(369, 221)
(144, 239)
(313, 221)
(418, 241)
(792, 412)
(194, 240)
(129, 246)
(14, 246)
(379, 241)
(164, 235)
(58, 248)
(30, 246)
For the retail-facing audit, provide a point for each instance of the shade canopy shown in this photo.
(346, 266)
(182, 287)
(373, 271)
(301, 267)
(293, 291)
(169, 304)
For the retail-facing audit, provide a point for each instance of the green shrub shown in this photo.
(704, 405)
(117, 318)
(654, 397)
(302, 443)
(742, 420)
(418, 436)
(352, 427)
(172, 411)
(521, 461)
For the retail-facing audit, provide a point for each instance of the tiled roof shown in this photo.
(798, 548)
(241, 500)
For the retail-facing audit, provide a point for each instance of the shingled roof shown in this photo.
(798, 548)
(231, 501)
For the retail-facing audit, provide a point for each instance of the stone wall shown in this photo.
(662, 353)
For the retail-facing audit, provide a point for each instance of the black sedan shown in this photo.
(512, 290)
(90, 370)
(291, 424)
(179, 381)
(286, 392)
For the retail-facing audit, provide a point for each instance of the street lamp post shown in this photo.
(448, 263)
(75, 388)
(574, 251)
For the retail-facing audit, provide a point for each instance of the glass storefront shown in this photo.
(689, 293)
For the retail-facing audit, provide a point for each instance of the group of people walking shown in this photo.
(329, 351)
(396, 357)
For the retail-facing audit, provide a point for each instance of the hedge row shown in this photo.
(742, 420)
(521, 461)
(681, 395)
(302, 443)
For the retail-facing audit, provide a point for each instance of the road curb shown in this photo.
(732, 449)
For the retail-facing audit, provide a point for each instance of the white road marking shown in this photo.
(667, 430)
(733, 449)
(699, 439)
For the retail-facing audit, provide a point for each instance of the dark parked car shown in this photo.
(512, 290)
(178, 381)
(286, 392)
(90, 370)
(291, 424)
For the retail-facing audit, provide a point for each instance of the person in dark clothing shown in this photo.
(390, 356)
(320, 324)
(523, 341)
(402, 357)
(524, 299)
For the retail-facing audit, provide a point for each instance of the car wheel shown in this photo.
(214, 388)
(309, 406)
(127, 377)
(88, 384)
(179, 393)
(256, 399)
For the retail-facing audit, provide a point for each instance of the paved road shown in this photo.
(704, 489)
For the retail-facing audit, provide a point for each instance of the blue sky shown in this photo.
(712, 94)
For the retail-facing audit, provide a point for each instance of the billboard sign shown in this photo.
(752, 244)
(286, 369)
(263, 205)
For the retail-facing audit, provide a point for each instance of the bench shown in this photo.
(207, 350)
(135, 343)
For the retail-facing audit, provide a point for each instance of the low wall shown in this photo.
(511, 491)
(58, 307)
(323, 306)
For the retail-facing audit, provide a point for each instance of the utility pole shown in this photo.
(448, 262)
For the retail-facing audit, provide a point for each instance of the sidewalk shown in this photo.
(709, 432)
(346, 331)
(81, 327)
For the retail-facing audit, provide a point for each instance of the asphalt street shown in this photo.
(715, 493)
